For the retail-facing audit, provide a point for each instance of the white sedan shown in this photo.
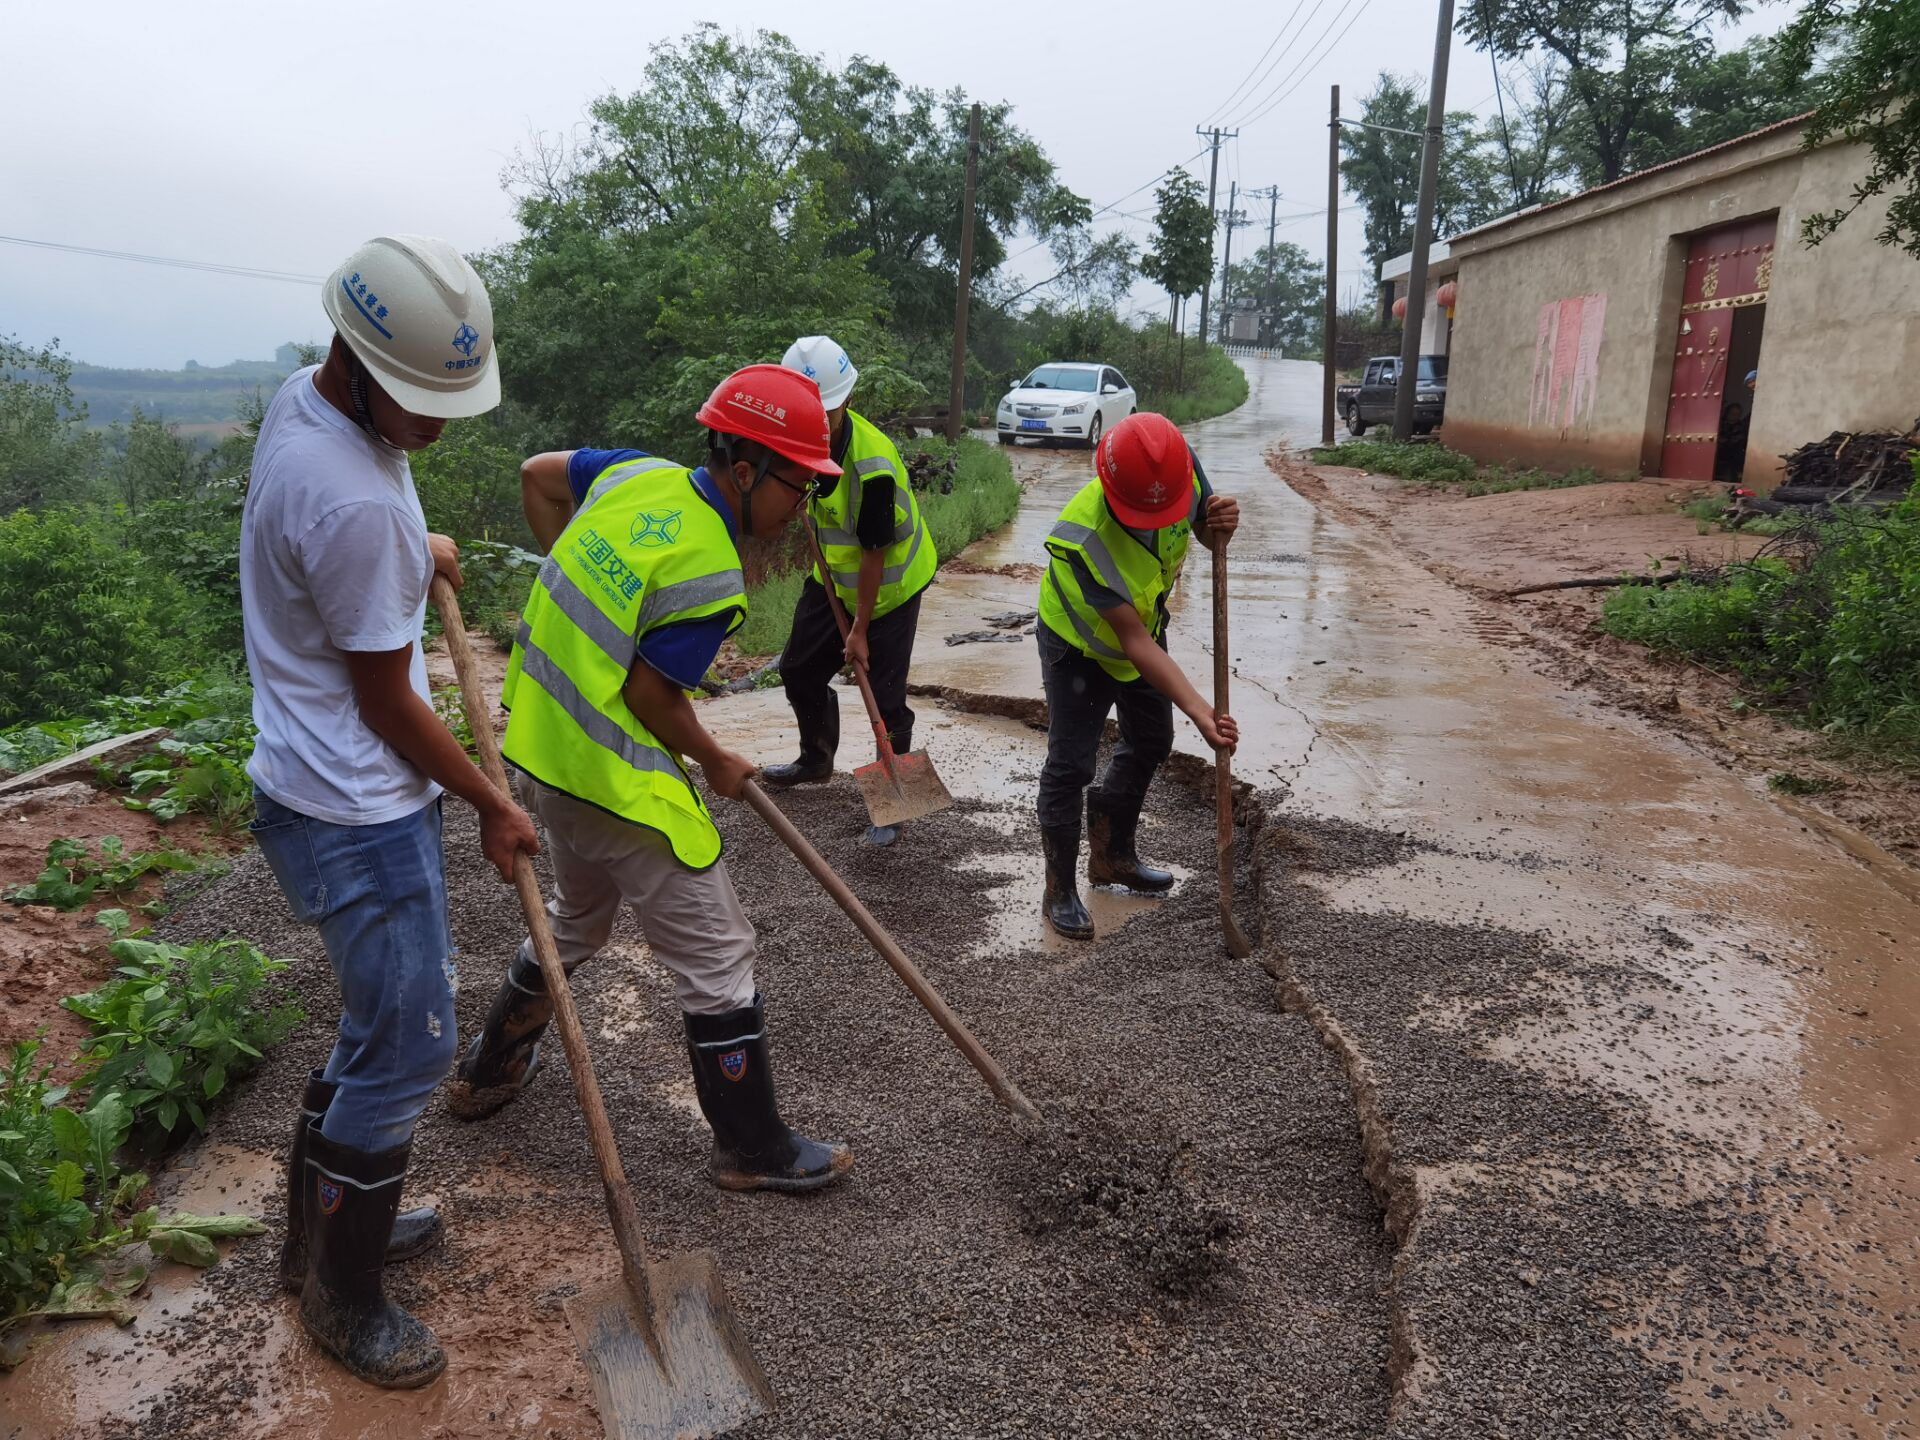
(1070, 401)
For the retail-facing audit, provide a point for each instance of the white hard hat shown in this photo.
(417, 316)
(824, 363)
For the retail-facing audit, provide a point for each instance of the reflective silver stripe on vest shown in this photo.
(892, 575)
(1089, 540)
(688, 594)
(588, 618)
(619, 476)
(537, 667)
(872, 465)
(1094, 643)
(838, 537)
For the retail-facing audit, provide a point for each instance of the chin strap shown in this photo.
(357, 394)
(725, 445)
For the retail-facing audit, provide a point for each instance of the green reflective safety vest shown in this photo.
(909, 561)
(1088, 529)
(644, 551)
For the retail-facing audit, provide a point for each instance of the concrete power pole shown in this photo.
(1409, 380)
(1234, 217)
(1273, 218)
(957, 386)
(1328, 333)
(1214, 137)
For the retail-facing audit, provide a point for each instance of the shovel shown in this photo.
(897, 788)
(667, 1359)
(1237, 943)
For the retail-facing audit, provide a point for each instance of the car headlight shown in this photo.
(1079, 409)
(1006, 407)
(1429, 399)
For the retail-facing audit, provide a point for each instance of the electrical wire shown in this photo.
(1112, 204)
(1233, 93)
(209, 267)
(1307, 75)
(1301, 54)
(1247, 101)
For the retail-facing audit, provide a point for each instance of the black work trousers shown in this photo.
(1079, 696)
(814, 655)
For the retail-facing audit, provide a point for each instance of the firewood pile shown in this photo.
(1850, 465)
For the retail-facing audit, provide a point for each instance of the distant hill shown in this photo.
(203, 400)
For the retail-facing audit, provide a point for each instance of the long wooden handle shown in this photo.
(880, 736)
(1236, 941)
(1004, 1089)
(634, 1254)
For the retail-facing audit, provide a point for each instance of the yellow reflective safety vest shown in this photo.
(1088, 530)
(645, 550)
(909, 561)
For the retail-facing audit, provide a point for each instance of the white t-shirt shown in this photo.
(333, 558)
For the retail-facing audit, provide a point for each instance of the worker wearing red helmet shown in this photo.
(642, 583)
(1115, 552)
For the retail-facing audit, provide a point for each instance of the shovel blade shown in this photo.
(912, 790)
(703, 1380)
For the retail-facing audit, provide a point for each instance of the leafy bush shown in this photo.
(984, 495)
(770, 606)
(1435, 465)
(1202, 383)
(496, 580)
(178, 1022)
(80, 618)
(75, 874)
(1831, 625)
(65, 1206)
(196, 777)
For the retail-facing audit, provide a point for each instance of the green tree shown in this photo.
(1625, 61)
(1182, 255)
(154, 462)
(1297, 294)
(47, 455)
(1869, 94)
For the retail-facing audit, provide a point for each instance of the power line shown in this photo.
(1307, 75)
(1111, 204)
(209, 267)
(1231, 94)
(1301, 52)
(1247, 101)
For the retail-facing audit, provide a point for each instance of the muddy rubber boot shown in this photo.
(1112, 826)
(1061, 903)
(807, 770)
(753, 1149)
(414, 1231)
(505, 1056)
(352, 1198)
(881, 836)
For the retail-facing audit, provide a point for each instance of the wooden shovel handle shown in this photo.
(1236, 941)
(1004, 1089)
(846, 631)
(634, 1254)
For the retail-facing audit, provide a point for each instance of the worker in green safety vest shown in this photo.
(1113, 555)
(879, 559)
(642, 583)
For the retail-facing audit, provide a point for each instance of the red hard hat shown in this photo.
(777, 407)
(1146, 471)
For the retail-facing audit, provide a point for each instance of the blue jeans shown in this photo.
(378, 894)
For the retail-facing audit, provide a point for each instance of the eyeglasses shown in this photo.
(800, 490)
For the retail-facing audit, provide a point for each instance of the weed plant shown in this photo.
(75, 875)
(1437, 467)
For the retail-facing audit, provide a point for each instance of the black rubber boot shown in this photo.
(505, 1056)
(414, 1231)
(352, 1197)
(807, 770)
(1061, 904)
(881, 836)
(752, 1147)
(1112, 826)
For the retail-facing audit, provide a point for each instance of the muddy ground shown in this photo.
(1488, 544)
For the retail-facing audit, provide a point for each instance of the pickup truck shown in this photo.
(1371, 401)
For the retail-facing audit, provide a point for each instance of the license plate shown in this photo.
(1033, 424)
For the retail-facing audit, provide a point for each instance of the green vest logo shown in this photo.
(653, 528)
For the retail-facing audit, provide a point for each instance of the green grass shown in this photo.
(1214, 385)
(1437, 467)
(983, 498)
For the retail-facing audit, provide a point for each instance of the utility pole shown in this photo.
(957, 387)
(1331, 327)
(1273, 217)
(1234, 217)
(1409, 377)
(1214, 138)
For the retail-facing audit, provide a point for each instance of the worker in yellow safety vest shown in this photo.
(641, 584)
(879, 559)
(1113, 555)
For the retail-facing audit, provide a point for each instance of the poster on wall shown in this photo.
(1566, 362)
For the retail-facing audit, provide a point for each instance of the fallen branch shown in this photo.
(1600, 583)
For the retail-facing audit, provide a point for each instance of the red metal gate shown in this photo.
(1725, 268)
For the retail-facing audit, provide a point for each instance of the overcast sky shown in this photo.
(280, 137)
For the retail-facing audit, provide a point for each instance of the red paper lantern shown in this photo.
(1447, 294)
(1400, 308)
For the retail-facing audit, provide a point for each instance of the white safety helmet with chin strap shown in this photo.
(417, 317)
(824, 363)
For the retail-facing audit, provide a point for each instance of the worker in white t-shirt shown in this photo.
(351, 761)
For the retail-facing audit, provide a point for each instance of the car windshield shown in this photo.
(1060, 377)
(1433, 367)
